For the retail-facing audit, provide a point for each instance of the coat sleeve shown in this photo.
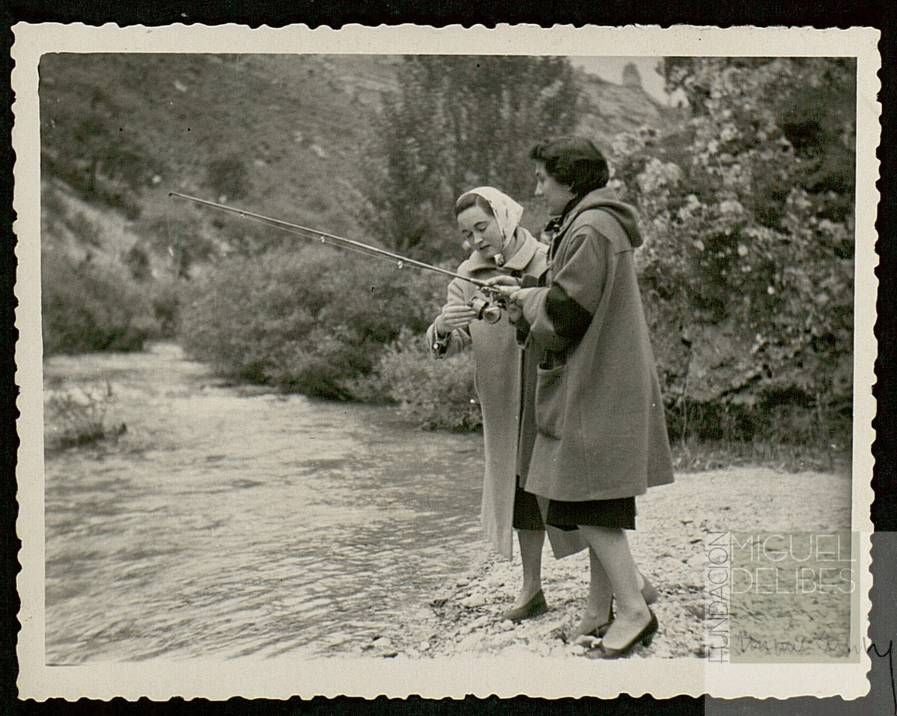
(559, 314)
(443, 345)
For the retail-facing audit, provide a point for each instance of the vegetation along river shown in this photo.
(226, 522)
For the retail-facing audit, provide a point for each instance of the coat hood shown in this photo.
(606, 200)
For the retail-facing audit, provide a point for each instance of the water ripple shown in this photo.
(225, 523)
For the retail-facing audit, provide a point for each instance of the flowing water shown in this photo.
(226, 522)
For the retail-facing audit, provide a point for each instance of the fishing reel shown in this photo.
(485, 309)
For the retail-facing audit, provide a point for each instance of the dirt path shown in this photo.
(670, 548)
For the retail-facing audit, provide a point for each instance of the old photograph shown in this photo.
(377, 361)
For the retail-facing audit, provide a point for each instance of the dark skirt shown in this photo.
(617, 513)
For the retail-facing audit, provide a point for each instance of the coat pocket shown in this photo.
(551, 400)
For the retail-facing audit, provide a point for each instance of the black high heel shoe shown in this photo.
(644, 637)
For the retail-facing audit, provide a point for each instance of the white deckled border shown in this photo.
(455, 677)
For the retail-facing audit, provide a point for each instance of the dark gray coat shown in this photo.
(599, 413)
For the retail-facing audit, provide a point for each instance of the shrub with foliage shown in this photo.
(747, 266)
(435, 394)
(181, 242)
(78, 415)
(166, 296)
(88, 307)
(309, 320)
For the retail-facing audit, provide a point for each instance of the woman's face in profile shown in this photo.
(480, 229)
(556, 195)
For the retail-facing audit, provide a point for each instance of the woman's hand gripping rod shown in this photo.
(488, 309)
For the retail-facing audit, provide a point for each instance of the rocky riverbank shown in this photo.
(669, 545)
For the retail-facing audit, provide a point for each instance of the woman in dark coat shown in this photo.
(601, 433)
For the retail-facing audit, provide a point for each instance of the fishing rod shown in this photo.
(487, 310)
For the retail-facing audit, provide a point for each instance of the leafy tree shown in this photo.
(456, 122)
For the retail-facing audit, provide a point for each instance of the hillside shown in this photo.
(295, 129)
(298, 125)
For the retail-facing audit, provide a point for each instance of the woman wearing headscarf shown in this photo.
(489, 221)
(601, 438)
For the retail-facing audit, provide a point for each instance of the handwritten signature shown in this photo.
(889, 653)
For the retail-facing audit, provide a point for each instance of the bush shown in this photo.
(78, 416)
(166, 299)
(747, 265)
(435, 394)
(180, 243)
(86, 307)
(310, 320)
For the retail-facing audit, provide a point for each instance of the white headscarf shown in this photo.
(507, 212)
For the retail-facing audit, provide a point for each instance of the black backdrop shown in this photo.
(816, 13)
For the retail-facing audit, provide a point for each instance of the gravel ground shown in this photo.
(669, 546)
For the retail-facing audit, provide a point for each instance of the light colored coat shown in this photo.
(600, 417)
(499, 386)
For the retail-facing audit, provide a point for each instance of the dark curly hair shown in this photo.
(573, 161)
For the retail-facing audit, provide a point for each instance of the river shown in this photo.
(228, 522)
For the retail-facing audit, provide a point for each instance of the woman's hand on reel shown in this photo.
(506, 285)
(454, 316)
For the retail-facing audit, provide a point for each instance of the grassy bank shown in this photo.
(697, 456)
